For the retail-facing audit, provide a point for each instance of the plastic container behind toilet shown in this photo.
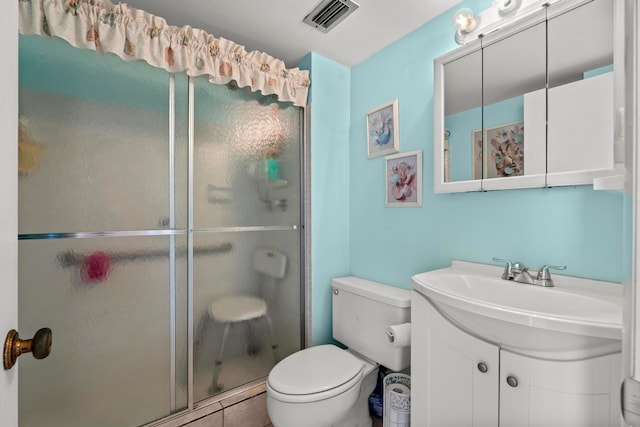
(397, 400)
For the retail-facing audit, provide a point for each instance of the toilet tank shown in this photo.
(362, 311)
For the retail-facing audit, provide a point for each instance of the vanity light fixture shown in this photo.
(500, 13)
(465, 22)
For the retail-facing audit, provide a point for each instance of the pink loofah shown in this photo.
(96, 267)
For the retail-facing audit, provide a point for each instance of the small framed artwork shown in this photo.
(504, 150)
(403, 177)
(382, 130)
(476, 154)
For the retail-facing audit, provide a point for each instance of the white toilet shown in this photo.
(327, 386)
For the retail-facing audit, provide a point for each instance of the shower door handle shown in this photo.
(14, 347)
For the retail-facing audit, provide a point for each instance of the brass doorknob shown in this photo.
(40, 346)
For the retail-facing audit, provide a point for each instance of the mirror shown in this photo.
(580, 109)
(514, 100)
(528, 105)
(463, 117)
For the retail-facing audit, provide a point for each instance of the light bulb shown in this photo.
(464, 20)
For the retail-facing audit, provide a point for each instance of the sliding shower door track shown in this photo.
(93, 234)
(129, 233)
(246, 228)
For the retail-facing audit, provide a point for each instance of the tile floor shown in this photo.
(245, 409)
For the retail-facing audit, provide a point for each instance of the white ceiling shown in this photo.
(276, 28)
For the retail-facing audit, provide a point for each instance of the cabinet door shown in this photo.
(543, 393)
(449, 387)
(581, 92)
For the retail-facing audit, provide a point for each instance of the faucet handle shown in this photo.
(508, 268)
(519, 266)
(544, 274)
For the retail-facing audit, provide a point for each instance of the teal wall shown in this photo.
(331, 201)
(575, 226)
(81, 73)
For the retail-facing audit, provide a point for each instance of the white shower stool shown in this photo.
(230, 310)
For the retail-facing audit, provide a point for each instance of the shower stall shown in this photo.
(160, 237)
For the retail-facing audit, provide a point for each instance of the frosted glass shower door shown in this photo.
(102, 257)
(146, 199)
(109, 364)
(246, 194)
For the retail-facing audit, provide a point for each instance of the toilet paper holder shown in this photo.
(390, 336)
(399, 335)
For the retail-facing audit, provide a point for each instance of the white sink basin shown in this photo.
(578, 318)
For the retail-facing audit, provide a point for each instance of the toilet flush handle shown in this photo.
(335, 291)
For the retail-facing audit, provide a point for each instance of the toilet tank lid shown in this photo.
(387, 294)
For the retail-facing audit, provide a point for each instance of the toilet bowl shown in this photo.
(327, 386)
(321, 386)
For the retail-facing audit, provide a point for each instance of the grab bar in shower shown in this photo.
(70, 258)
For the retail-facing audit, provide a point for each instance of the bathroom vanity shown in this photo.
(491, 352)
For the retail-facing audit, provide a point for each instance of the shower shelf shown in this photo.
(277, 183)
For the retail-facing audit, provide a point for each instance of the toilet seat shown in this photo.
(314, 374)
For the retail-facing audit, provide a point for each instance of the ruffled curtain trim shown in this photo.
(135, 34)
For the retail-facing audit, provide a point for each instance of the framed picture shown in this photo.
(476, 154)
(382, 130)
(504, 150)
(503, 153)
(403, 177)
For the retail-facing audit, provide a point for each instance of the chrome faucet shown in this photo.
(517, 272)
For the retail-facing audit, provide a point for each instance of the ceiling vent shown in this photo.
(330, 13)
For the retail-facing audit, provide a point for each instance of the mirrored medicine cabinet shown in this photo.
(532, 104)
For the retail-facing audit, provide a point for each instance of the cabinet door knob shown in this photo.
(482, 367)
(512, 381)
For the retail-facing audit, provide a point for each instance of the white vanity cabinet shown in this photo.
(460, 380)
(547, 393)
(448, 387)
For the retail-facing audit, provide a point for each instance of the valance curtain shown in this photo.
(135, 34)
